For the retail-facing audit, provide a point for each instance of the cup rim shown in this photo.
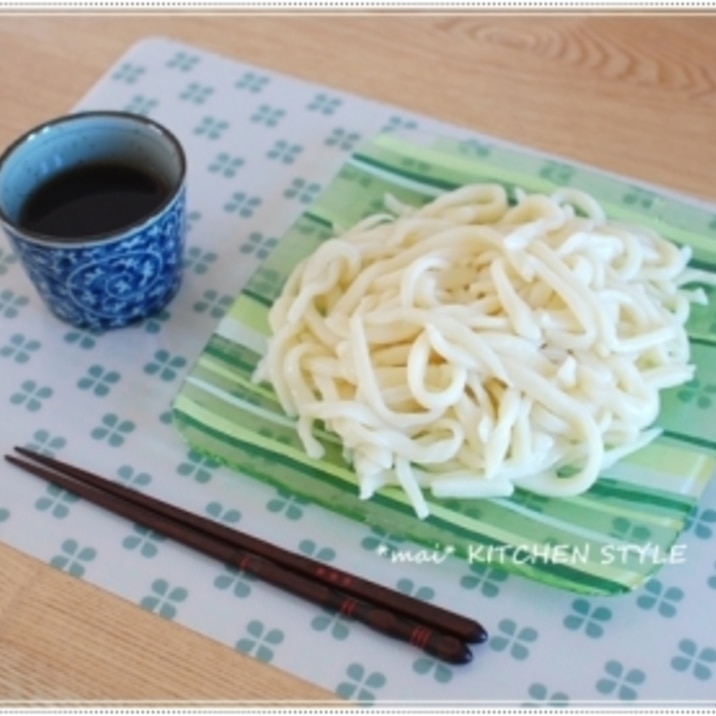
(107, 237)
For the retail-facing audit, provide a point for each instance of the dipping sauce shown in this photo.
(92, 200)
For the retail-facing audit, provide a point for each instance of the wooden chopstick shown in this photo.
(440, 619)
(211, 538)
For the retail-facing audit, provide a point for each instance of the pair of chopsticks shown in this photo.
(438, 632)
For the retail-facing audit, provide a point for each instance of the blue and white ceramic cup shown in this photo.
(119, 276)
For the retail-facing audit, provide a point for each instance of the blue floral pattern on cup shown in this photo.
(115, 278)
(108, 285)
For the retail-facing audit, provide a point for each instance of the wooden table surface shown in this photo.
(632, 94)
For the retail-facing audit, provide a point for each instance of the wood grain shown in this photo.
(632, 94)
(628, 93)
(62, 639)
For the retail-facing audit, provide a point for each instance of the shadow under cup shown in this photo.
(125, 272)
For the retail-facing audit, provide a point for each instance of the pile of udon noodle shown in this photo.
(470, 346)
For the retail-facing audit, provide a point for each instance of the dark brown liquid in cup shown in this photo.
(92, 200)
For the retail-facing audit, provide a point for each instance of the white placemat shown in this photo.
(260, 147)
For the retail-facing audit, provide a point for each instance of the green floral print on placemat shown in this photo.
(73, 558)
(164, 599)
(20, 348)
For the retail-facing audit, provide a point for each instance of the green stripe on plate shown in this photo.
(257, 297)
(396, 174)
(607, 487)
(690, 439)
(703, 340)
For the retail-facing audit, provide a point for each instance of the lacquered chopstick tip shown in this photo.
(464, 656)
(479, 635)
(449, 649)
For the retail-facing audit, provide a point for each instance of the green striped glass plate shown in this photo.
(606, 541)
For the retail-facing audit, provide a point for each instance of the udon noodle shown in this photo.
(469, 346)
